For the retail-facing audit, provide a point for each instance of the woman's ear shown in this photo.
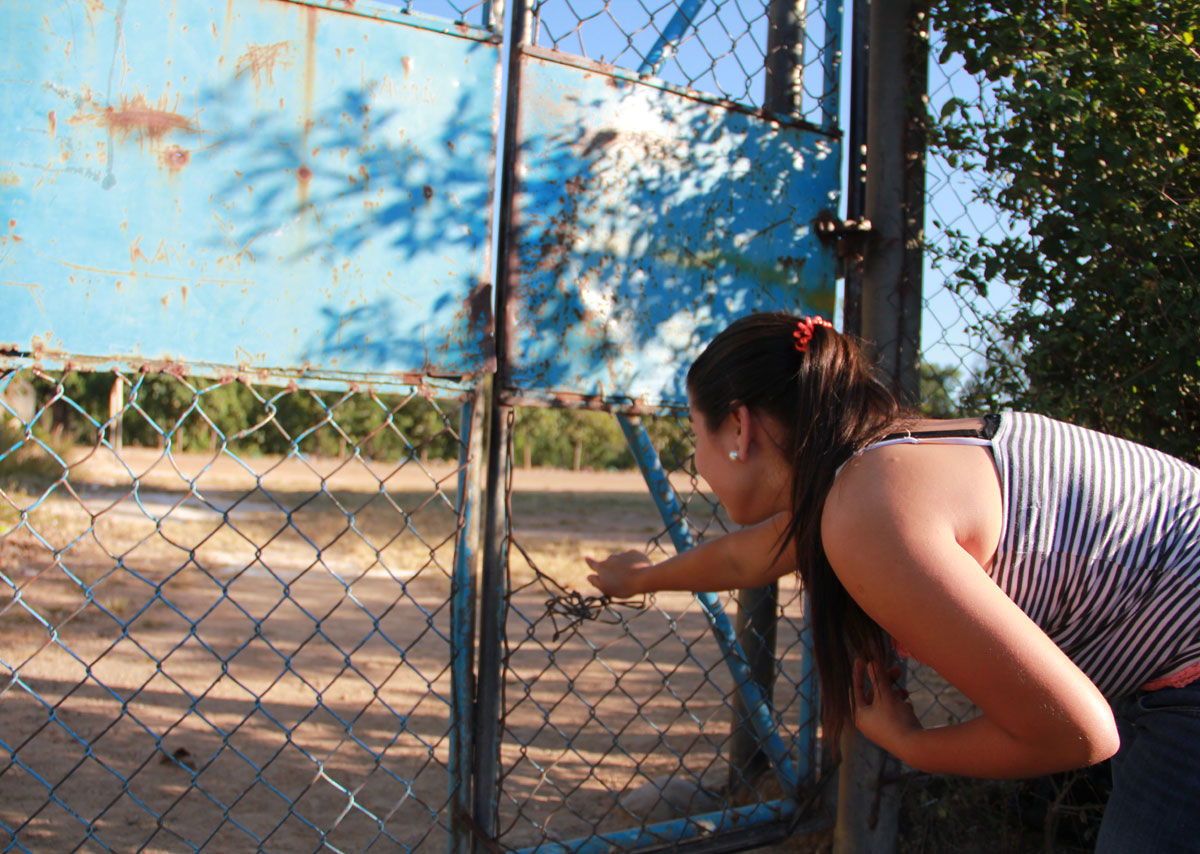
(743, 421)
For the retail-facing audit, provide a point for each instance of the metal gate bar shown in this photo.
(669, 833)
(671, 34)
(755, 701)
(462, 617)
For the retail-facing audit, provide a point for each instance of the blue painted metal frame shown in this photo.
(270, 186)
(646, 219)
(148, 265)
(462, 623)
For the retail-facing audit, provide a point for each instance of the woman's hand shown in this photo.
(616, 575)
(882, 710)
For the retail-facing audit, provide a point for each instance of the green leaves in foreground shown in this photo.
(1093, 146)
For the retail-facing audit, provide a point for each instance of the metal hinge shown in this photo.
(849, 237)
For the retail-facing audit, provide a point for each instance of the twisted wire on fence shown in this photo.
(233, 636)
(623, 719)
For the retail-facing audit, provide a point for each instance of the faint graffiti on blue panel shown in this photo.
(647, 221)
(265, 185)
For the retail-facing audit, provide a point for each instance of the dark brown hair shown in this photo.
(830, 403)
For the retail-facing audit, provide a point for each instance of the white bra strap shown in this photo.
(919, 440)
(931, 440)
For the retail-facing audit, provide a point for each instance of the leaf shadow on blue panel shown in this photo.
(381, 212)
(649, 226)
(645, 222)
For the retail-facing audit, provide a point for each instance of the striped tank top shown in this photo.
(1100, 546)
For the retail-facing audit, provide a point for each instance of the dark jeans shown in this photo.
(1155, 803)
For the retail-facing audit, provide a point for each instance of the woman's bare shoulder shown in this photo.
(914, 491)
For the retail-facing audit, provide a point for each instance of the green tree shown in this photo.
(939, 386)
(1093, 145)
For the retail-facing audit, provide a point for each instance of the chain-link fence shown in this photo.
(721, 48)
(958, 328)
(618, 716)
(233, 635)
(237, 608)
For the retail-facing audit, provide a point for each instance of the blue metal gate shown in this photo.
(263, 588)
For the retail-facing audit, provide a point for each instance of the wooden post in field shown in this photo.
(116, 405)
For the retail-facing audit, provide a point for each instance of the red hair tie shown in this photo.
(804, 331)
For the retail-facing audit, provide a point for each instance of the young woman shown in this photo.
(1051, 573)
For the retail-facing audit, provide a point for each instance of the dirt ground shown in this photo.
(224, 654)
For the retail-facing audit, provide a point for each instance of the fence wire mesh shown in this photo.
(718, 47)
(618, 715)
(959, 326)
(224, 622)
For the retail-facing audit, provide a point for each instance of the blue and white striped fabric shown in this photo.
(1101, 548)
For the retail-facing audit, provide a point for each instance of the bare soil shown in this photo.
(212, 653)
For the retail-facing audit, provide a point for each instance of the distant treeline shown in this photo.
(196, 414)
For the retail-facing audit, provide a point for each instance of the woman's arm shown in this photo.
(894, 535)
(748, 557)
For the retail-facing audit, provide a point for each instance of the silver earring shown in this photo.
(735, 456)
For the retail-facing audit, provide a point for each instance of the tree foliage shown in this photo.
(1092, 148)
(197, 414)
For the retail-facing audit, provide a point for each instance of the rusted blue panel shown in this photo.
(259, 183)
(647, 220)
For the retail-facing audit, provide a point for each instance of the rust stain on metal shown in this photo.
(478, 309)
(53, 122)
(9, 179)
(310, 59)
(175, 369)
(406, 62)
(136, 116)
(135, 252)
(578, 400)
(184, 293)
(428, 192)
(260, 60)
(176, 158)
(304, 174)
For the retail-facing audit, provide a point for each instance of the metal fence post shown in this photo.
(493, 597)
(462, 613)
(868, 799)
(891, 300)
